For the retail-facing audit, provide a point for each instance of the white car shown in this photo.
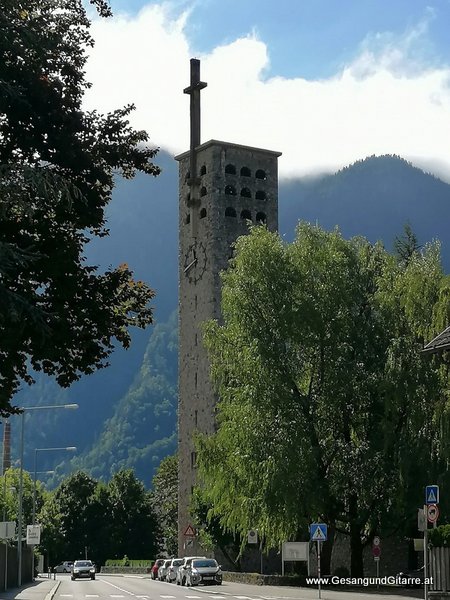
(163, 569)
(63, 567)
(171, 573)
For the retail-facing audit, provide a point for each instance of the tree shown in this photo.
(134, 529)
(406, 246)
(321, 384)
(57, 169)
(165, 501)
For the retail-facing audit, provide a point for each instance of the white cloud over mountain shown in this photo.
(386, 100)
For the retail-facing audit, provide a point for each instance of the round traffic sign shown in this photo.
(376, 541)
(376, 551)
(432, 513)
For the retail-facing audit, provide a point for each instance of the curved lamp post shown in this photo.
(24, 410)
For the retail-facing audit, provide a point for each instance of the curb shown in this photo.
(52, 592)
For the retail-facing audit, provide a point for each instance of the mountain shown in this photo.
(127, 413)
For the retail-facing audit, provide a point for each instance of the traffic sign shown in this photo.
(432, 494)
(252, 536)
(376, 541)
(190, 531)
(33, 534)
(376, 551)
(432, 513)
(318, 532)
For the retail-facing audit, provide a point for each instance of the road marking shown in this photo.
(171, 597)
(117, 588)
(193, 596)
(92, 596)
(135, 577)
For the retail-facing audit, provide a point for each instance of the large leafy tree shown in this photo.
(327, 409)
(57, 168)
(134, 528)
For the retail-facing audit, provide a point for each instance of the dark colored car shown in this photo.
(154, 572)
(83, 568)
(203, 570)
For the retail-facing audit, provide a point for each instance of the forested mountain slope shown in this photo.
(127, 414)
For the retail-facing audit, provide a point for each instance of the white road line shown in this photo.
(134, 577)
(218, 597)
(193, 596)
(168, 597)
(92, 596)
(117, 588)
(243, 597)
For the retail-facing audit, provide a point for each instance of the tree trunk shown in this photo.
(356, 547)
(327, 550)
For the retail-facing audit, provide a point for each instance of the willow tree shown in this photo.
(327, 408)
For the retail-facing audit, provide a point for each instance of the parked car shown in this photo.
(163, 569)
(63, 567)
(154, 571)
(203, 570)
(181, 573)
(83, 568)
(171, 573)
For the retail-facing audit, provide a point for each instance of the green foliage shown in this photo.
(57, 162)
(114, 518)
(440, 536)
(165, 502)
(126, 562)
(322, 386)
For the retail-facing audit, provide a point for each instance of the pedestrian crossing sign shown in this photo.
(318, 532)
(432, 494)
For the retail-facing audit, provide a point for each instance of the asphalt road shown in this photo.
(109, 587)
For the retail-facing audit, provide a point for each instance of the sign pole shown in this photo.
(318, 566)
(425, 554)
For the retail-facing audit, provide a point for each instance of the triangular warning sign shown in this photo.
(432, 496)
(318, 535)
(190, 531)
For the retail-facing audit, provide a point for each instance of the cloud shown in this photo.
(389, 99)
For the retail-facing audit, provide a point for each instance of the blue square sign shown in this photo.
(318, 532)
(432, 494)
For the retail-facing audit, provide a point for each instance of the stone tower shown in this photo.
(222, 186)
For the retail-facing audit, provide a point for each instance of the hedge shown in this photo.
(128, 562)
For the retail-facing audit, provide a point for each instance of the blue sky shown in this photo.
(332, 80)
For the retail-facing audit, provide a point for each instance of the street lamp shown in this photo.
(36, 450)
(22, 430)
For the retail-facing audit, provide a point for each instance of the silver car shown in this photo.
(181, 573)
(172, 569)
(205, 571)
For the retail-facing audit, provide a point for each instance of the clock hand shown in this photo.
(190, 265)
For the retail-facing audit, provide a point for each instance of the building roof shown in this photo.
(229, 145)
(440, 342)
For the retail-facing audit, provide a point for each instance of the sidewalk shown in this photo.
(40, 589)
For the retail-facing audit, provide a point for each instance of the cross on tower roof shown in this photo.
(194, 91)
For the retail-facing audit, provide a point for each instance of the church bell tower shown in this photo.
(222, 187)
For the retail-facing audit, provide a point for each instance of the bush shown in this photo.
(440, 537)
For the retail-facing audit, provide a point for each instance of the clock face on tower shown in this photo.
(195, 262)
